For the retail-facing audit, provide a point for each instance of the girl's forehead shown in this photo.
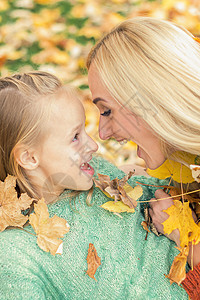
(67, 106)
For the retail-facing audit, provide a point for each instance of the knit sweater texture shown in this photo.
(131, 267)
(192, 283)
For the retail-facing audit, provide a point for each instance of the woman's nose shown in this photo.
(105, 129)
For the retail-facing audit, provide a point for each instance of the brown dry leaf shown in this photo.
(145, 226)
(177, 271)
(175, 193)
(11, 206)
(119, 189)
(93, 261)
(48, 230)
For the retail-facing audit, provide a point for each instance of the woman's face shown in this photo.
(116, 121)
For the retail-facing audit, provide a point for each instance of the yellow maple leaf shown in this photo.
(48, 230)
(177, 271)
(174, 169)
(180, 217)
(11, 206)
(117, 207)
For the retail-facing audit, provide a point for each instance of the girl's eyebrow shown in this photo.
(75, 128)
(96, 100)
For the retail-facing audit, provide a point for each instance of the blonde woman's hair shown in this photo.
(23, 111)
(153, 68)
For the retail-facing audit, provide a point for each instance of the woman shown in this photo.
(144, 78)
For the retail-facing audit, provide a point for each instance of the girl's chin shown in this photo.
(85, 186)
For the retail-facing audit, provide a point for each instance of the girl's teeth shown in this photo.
(85, 166)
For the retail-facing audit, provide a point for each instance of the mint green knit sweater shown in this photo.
(131, 268)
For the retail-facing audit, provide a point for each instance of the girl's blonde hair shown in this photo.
(153, 68)
(22, 115)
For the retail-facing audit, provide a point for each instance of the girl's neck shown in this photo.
(44, 188)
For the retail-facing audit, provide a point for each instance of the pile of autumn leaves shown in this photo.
(49, 231)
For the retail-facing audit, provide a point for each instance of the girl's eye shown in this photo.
(106, 113)
(75, 138)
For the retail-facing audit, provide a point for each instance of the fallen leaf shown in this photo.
(117, 207)
(11, 206)
(174, 169)
(133, 193)
(180, 217)
(119, 189)
(93, 261)
(145, 226)
(48, 230)
(177, 271)
(195, 172)
(176, 194)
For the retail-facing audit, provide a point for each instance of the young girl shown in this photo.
(44, 144)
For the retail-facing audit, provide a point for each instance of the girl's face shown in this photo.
(118, 122)
(67, 149)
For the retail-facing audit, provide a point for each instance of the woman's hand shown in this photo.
(158, 216)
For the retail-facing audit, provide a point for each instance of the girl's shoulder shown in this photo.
(103, 166)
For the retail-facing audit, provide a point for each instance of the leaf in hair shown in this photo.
(48, 230)
(11, 206)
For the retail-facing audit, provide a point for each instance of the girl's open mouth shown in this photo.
(85, 167)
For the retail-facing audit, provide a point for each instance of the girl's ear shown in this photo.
(27, 158)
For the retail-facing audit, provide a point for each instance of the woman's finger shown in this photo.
(160, 194)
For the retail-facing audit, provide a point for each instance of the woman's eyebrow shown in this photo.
(96, 100)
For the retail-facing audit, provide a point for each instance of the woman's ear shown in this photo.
(26, 157)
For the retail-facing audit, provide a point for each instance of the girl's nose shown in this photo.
(94, 146)
(91, 145)
(105, 130)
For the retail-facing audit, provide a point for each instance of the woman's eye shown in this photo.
(75, 137)
(106, 113)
